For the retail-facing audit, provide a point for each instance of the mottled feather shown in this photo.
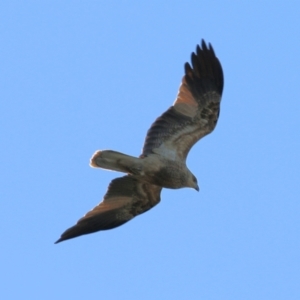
(194, 113)
(125, 198)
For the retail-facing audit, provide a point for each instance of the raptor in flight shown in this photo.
(162, 163)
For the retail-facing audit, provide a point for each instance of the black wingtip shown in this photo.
(58, 241)
(66, 236)
(204, 60)
(203, 45)
(70, 233)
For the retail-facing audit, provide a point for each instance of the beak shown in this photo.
(197, 188)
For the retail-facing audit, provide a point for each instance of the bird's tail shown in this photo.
(116, 161)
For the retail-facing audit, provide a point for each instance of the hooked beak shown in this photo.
(197, 188)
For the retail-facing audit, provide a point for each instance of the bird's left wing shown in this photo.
(125, 198)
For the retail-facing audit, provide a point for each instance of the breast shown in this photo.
(165, 172)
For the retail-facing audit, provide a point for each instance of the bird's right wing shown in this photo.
(195, 111)
(125, 198)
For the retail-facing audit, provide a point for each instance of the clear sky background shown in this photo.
(77, 76)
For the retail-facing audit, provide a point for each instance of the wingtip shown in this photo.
(203, 44)
(58, 241)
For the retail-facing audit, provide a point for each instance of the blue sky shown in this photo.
(77, 76)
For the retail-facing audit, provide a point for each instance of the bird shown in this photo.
(162, 163)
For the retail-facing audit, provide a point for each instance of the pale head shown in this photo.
(192, 181)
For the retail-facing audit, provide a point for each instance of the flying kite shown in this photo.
(162, 163)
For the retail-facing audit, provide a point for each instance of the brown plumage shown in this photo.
(162, 163)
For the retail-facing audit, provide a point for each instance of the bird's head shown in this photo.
(193, 182)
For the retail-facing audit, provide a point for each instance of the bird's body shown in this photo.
(153, 168)
(162, 163)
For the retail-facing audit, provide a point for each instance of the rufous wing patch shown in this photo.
(185, 102)
(117, 203)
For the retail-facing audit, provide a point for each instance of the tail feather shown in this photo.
(116, 161)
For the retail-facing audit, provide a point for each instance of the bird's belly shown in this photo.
(165, 173)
